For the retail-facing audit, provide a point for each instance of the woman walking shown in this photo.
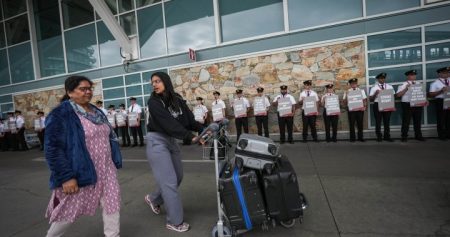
(169, 119)
(83, 155)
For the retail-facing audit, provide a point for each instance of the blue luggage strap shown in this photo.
(238, 187)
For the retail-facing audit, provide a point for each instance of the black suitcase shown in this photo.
(251, 194)
(256, 152)
(284, 202)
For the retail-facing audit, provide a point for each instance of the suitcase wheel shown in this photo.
(288, 224)
(226, 231)
(264, 226)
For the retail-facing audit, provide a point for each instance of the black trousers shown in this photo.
(384, 117)
(40, 135)
(241, 122)
(125, 136)
(309, 121)
(116, 130)
(415, 113)
(284, 122)
(262, 121)
(3, 143)
(442, 119)
(13, 141)
(21, 139)
(356, 117)
(331, 123)
(135, 131)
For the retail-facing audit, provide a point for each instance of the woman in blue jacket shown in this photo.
(83, 155)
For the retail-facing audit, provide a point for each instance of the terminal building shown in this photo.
(223, 45)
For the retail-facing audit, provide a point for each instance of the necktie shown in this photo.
(413, 82)
(354, 89)
(382, 86)
(307, 93)
(132, 107)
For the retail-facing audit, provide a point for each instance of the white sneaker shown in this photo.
(183, 227)
(155, 208)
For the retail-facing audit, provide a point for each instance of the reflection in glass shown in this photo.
(77, 12)
(109, 48)
(151, 31)
(134, 91)
(133, 79)
(47, 20)
(51, 56)
(397, 56)
(112, 82)
(126, 5)
(81, 47)
(128, 23)
(112, 4)
(190, 24)
(383, 6)
(395, 74)
(148, 89)
(432, 67)
(14, 7)
(21, 63)
(438, 51)
(307, 13)
(141, 3)
(17, 30)
(242, 19)
(113, 93)
(2, 36)
(437, 32)
(393, 39)
(4, 71)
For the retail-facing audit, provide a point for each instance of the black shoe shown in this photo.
(389, 139)
(304, 140)
(334, 140)
(361, 140)
(379, 139)
(142, 144)
(316, 140)
(328, 140)
(404, 139)
(134, 145)
(352, 140)
(291, 142)
(281, 142)
(442, 138)
(420, 139)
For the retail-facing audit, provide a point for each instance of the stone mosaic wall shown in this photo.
(333, 63)
(31, 103)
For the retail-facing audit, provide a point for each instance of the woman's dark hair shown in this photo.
(73, 82)
(169, 96)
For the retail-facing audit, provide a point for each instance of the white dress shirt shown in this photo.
(378, 87)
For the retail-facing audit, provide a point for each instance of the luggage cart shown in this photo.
(211, 135)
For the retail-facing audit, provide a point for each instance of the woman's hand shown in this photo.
(70, 186)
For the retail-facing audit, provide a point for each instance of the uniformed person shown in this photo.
(136, 130)
(3, 144)
(112, 112)
(126, 140)
(41, 131)
(407, 110)
(241, 121)
(99, 105)
(262, 119)
(438, 89)
(356, 117)
(286, 121)
(201, 107)
(218, 101)
(331, 121)
(381, 116)
(308, 120)
(20, 124)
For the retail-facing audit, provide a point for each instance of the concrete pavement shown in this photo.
(354, 189)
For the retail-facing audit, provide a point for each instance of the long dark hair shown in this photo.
(169, 96)
(73, 82)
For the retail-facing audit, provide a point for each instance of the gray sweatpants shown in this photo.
(163, 154)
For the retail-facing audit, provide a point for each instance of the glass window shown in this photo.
(133, 79)
(112, 82)
(151, 31)
(2, 36)
(128, 23)
(307, 13)
(431, 108)
(190, 24)
(383, 6)
(112, 4)
(77, 12)
(7, 107)
(126, 5)
(81, 47)
(14, 7)
(148, 89)
(438, 51)
(146, 75)
(47, 19)
(4, 71)
(432, 67)
(134, 91)
(6, 98)
(394, 39)
(1, 11)
(397, 56)
(437, 32)
(116, 103)
(395, 74)
(113, 93)
(21, 63)
(141, 3)
(51, 56)
(17, 30)
(433, 1)
(109, 48)
(242, 19)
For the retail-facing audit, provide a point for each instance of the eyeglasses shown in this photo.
(85, 89)
(157, 81)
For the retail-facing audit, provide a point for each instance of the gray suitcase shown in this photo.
(256, 152)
